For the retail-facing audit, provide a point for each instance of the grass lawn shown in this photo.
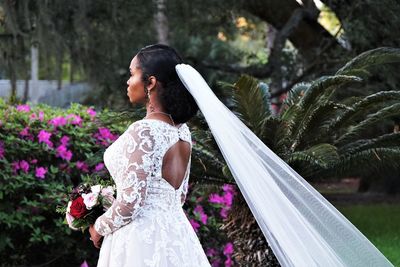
(380, 223)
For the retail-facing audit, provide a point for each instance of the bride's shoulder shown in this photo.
(147, 124)
(139, 124)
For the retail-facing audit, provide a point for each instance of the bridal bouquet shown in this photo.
(86, 203)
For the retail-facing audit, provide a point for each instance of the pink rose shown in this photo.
(90, 200)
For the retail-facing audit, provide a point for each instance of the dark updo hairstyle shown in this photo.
(159, 61)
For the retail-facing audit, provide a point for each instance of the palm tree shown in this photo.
(318, 135)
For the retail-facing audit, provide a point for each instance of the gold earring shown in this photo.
(151, 107)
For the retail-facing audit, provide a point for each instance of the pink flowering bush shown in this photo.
(45, 152)
(207, 207)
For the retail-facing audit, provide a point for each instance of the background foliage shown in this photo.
(44, 152)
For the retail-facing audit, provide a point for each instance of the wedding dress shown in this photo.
(146, 225)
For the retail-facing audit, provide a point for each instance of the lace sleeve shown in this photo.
(131, 180)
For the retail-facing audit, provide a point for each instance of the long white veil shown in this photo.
(300, 225)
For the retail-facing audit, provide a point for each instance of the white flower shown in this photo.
(70, 219)
(96, 189)
(69, 206)
(90, 200)
(108, 191)
(108, 197)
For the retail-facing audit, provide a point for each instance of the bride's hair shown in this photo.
(159, 61)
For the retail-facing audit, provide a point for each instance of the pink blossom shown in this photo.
(24, 108)
(40, 172)
(1, 149)
(58, 121)
(44, 137)
(64, 140)
(84, 264)
(32, 116)
(228, 249)
(90, 200)
(211, 252)
(198, 209)
(15, 166)
(228, 262)
(33, 161)
(216, 263)
(203, 216)
(99, 167)
(224, 213)
(41, 115)
(91, 112)
(24, 165)
(215, 198)
(106, 133)
(64, 153)
(228, 188)
(24, 132)
(80, 165)
(76, 120)
(195, 225)
(228, 198)
(105, 136)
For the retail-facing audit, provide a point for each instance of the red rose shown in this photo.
(78, 208)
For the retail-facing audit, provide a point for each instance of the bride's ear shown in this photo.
(151, 83)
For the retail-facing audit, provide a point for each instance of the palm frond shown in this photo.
(309, 132)
(296, 93)
(382, 55)
(323, 87)
(362, 107)
(252, 103)
(322, 155)
(371, 160)
(386, 140)
(355, 131)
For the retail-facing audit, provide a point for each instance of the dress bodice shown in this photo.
(134, 161)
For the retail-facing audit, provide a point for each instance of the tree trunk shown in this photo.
(59, 66)
(13, 79)
(34, 62)
(26, 90)
(161, 22)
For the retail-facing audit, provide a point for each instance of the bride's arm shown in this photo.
(132, 180)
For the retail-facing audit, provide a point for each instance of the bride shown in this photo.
(150, 164)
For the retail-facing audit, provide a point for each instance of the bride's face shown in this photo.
(135, 90)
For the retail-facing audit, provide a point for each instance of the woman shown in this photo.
(150, 164)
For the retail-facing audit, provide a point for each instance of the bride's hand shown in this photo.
(95, 237)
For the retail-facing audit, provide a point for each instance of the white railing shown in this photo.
(45, 91)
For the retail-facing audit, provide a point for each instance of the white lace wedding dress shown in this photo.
(146, 225)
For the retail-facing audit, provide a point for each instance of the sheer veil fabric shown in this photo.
(301, 226)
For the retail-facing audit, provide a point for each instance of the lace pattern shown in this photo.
(135, 162)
